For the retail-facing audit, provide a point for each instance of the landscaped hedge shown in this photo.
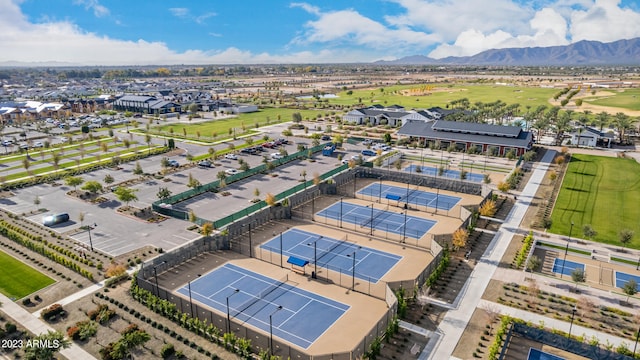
(52, 311)
(57, 175)
(442, 266)
(494, 349)
(524, 250)
(7, 231)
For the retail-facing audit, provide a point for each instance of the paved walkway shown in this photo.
(36, 326)
(455, 321)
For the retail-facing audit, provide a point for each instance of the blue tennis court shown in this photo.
(338, 255)
(622, 278)
(451, 174)
(252, 297)
(569, 266)
(535, 354)
(366, 217)
(417, 197)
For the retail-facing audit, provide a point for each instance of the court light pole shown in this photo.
(371, 219)
(271, 329)
(573, 314)
(190, 299)
(340, 212)
(638, 265)
(353, 269)
(155, 274)
(315, 259)
(235, 291)
(636, 345)
(404, 228)
(89, 230)
(566, 250)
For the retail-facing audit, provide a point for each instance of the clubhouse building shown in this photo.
(498, 140)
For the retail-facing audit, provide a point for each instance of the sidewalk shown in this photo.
(455, 321)
(36, 326)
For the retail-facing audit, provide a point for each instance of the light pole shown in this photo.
(573, 314)
(235, 291)
(191, 300)
(404, 228)
(638, 265)
(636, 345)
(315, 258)
(155, 274)
(341, 213)
(89, 230)
(353, 270)
(271, 329)
(566, 250)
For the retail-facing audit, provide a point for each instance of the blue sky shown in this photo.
(141, 32)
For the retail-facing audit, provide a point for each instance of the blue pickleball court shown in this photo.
(568, 268)
(417, 197)
(535, 354)
(622, 278)
(450, 174)
(298, 316)
(333, 254)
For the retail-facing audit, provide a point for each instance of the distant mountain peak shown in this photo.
(584, 52)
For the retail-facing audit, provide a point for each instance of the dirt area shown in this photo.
(124, 315)
(478, 336)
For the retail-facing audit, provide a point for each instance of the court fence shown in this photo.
(147, 279)
(561, 342)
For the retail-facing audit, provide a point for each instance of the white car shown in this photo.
(38, 144)
(231, 156)
(276, 156)
(231, 171)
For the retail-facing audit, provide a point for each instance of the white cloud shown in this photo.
(179, 12)
(98, 10)
(307, 7)
(549, 29)
(605, 21)
(348, 27)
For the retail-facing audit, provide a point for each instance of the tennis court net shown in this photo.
(375, 216)
(261, 295)
(331, 248)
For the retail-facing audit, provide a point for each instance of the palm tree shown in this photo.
(602, 119)
(623, 123)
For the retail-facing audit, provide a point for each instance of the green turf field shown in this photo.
(18, 280)
(248, 120)
(625, 99)
(603, 192)
(524, 96)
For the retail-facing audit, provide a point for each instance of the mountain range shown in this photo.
(621, 52)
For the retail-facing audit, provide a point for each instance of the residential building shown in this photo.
(590, 137)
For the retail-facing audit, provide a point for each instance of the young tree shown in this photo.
(138, 169)
(92, 186)
(126, 195)
(192, 182)
(108, 179)
(488, 208)
(630, 288)
(588, 231)
(493, 315)
(270, 199)
(206, 229)
(74, 181)
(625, 236)
(47, 352)
(578, 276)
(81, 217)
(163, 193)
(36, 201)
(460, 238)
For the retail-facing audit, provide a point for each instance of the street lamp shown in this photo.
(190, 300)
(89, 230)
(271, 329)
(235, 291)
(573, 314)
(353, 269)
(566, 250)
(155, 274)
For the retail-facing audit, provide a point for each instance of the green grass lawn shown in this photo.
(249, 120)
(18, 280)
(603, 192)
(625, 99)
(532, 96)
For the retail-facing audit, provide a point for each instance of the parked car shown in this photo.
(174, 163)
(269, 145)
(38, 144)
(367, 152)
(231, 156)
(7, 142)
(231, 171)
(276, 156)
(205, 164)
(24, 146)
(325, 138)
(56, 219)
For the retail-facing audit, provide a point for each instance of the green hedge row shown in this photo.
(42, 250)
(524, 250)
(442, 266)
